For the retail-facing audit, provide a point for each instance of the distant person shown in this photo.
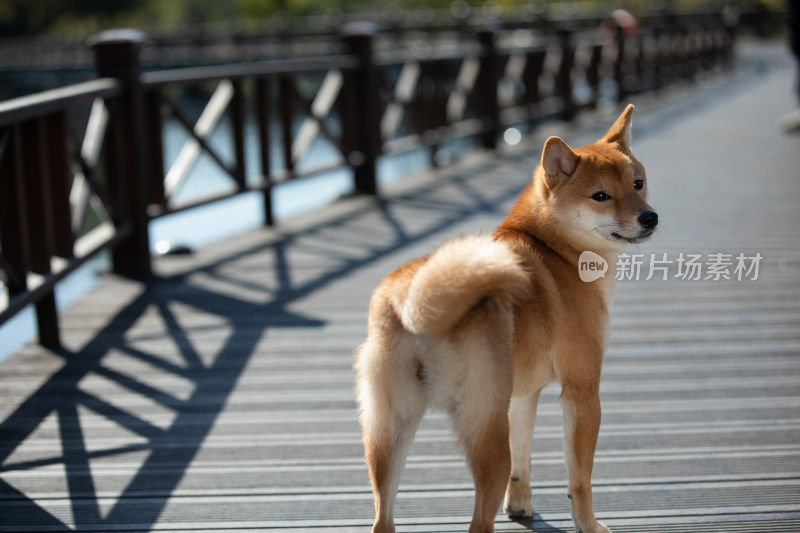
(791, 122)
(621, 20)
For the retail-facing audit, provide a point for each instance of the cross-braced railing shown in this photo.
(53, 183)
(65, 197)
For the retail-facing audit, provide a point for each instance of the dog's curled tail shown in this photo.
(458, 276)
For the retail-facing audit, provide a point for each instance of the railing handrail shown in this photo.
(270, 67)
(40, 104)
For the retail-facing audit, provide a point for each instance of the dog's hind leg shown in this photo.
(480, 419)
(483, 432)
(522, 417)
(386, 450)
(490, 462)
(392, 405)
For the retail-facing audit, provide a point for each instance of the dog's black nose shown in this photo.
(648, 219)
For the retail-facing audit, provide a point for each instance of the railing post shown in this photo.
(263, 114)
(593, 71)
(238, 125)
(533, 71)
(155, 149)
(619, 64)
(39, 208)
(286, 107)
(360, 110)
(117, 56)
(564, 88)
(14, 233)
(658, 55)
(488, 79)
(56, 140)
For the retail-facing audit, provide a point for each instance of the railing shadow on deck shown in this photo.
(211, 377)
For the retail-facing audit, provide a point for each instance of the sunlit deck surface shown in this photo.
(218, 396)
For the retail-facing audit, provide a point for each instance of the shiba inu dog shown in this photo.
(481, 325)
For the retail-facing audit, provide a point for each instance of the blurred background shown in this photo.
(80, 18)
(43, 44)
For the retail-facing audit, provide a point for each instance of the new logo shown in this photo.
(591, 266)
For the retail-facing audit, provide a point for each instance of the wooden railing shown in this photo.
(45, 188)
(366, 105)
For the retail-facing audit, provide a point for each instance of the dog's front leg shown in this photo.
(581, 427)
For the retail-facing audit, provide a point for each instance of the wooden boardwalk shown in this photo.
(218, 397)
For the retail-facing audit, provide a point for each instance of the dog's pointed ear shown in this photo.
(558, 160)
(620, 132)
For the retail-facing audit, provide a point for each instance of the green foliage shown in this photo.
(82, 17)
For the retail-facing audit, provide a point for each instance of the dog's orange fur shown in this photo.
(480, 326)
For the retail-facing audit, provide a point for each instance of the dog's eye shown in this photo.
(600, 196)
(638, 185)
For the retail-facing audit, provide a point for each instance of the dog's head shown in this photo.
(599, 192)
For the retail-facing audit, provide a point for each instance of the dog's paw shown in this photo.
(517, 503)
(598, 527)
(521, 509)
(525, 511)
(602, 528)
